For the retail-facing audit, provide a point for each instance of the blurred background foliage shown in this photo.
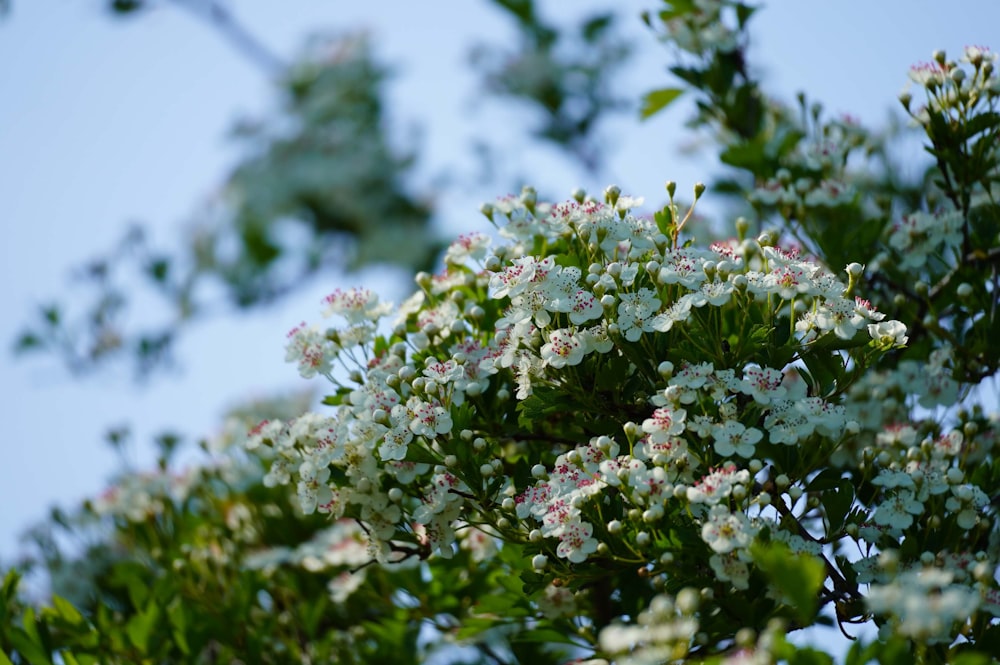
(321, 186)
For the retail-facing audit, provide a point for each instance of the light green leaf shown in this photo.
(657, 100)
(797, 576)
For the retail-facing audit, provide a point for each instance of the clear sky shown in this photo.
(105, 122)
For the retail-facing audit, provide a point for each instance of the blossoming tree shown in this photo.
(593, 436)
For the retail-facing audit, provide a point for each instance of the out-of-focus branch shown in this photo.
(219, 17)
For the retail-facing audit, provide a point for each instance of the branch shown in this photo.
(216, 15)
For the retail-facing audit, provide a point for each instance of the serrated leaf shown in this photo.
(797, 576)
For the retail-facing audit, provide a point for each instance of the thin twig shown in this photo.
(220, 18)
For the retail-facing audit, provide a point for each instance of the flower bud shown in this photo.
(614, 527)
(450, 461)
(578, 195)
(964, 290)
(539, 471)
(539, 562)
(671, 188)
(746, 637)
(612, 193)
(395, 495)
(742, 226)
(486, 470)
(508, 504)
(642, 539)
(688, 600)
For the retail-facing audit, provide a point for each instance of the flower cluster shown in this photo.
(589, 389)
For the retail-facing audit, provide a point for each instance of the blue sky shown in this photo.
(105, 122)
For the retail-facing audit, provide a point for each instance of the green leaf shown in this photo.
(837, 503)
(797, 576)
(140, 627)
(178, 623)
(657, 100)
(63, 611)
(28, 647)
(27, 341)
(827, 479)
(970, 658)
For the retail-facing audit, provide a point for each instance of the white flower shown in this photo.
(762, 383)
(516, 277)
(356, 305)
(682, 266)
(841, 316)
(635, 311)
(565, 347)
(732, 437)
(429, 418)
(467, 246)
(924, 604)
(898, 510)
(310, 348)
(664, 424)
(888, 333)
(716, 294)
(717, 485)
(576, 542)
(729, 568)
(725, 531)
